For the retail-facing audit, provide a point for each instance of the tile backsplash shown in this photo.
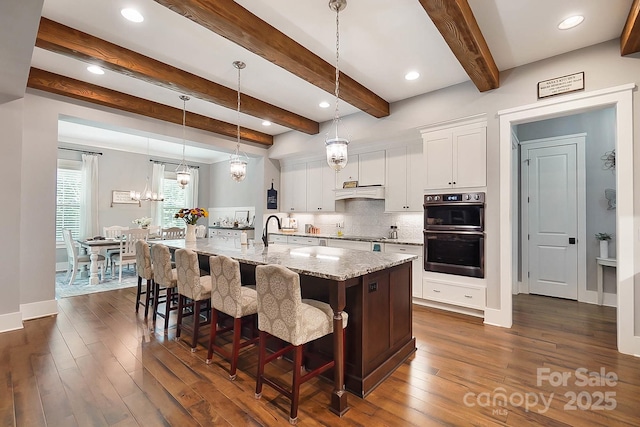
(365, 218)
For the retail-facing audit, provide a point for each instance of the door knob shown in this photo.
(572, 240)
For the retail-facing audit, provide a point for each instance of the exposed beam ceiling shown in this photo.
(630, 38)
(233, 22)
(61, 85)
(455, 21)
(67, 41)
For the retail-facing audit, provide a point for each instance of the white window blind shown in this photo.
(174, 200)
(69, 182)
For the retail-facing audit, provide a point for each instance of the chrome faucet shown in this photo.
(265, 239)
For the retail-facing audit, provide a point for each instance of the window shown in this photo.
(69, 183)
(174, 200)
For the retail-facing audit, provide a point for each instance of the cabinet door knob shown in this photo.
(449, 183)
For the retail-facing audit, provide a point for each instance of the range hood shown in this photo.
(374, 192)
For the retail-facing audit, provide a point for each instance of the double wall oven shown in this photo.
(454, 233)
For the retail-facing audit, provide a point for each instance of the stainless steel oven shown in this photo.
(454, 233)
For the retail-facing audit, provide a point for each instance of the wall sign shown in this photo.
(272, 198)
(560, 85)
(123, 197)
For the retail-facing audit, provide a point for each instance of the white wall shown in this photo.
(225, 192)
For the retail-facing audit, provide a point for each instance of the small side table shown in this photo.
(602, 263)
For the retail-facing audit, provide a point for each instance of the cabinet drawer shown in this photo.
(350, 244)
(298, 240)
(396, 248)
(462, 295)
(277, 238)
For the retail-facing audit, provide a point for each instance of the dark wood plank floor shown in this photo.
(98, 364)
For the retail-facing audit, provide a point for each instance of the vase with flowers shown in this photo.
(191, 217)
(143, 222)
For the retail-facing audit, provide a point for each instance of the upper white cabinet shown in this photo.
(404, 166)
(349, 173)
(294, 187)
(455, 157)
(371, 168)
(320, 185)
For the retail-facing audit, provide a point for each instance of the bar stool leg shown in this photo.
(262, 350)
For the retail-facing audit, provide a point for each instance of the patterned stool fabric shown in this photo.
(284, 314)
(193, 290)
(230, 297)
(145, 272)
(165, 278)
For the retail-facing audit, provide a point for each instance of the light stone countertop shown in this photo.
(318, 261)
(415, 242)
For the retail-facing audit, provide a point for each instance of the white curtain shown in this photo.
(89, 197)
(157, 186)
(191, 198)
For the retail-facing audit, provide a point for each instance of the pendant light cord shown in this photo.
(184, 122)
(238, 119)
(336, 117)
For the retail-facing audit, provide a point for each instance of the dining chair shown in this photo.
(231, 298)
(173, 233)
(145, 272)
(155, 231)
(283, 313)
(194, 293)
(76, 260)
(127, 254)
(165, 277)
(201, 231)
(113, 232)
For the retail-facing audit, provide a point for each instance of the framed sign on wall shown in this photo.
(123, 197)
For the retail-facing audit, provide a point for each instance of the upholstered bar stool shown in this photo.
(194, 291)
(165, 278)
(283, 313)
(230, 297)
(145, 272)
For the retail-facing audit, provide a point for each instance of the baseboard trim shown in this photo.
(39, 309)
(448, 307)
(495, 317)
(10, 322)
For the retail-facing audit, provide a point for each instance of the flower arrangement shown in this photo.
(142, 222)
(191, 216)
(603, 236)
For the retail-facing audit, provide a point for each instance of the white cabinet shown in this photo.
(404, 166)
(416, 264)
(349, 244)
(349, 173)
(303, 241)
(294, 187)
(459, 294)
(277, 238)
(320, 185)
(455, 157)
(371, 168)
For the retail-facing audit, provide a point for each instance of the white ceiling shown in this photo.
(380, 41)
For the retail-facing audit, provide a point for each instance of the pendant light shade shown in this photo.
(146, 194)
(183, 176)
(238, 162)
(336, 146)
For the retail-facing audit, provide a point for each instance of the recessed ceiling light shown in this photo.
(324, 104)
(571, 22)
(95, 69)
(132, 15)
(266, 123)
(412, 75)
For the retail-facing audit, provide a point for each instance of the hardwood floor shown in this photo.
(97, 364)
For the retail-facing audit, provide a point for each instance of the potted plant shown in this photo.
(604, 244)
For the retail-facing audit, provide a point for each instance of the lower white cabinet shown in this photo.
(227, 232)
(277, 238)
(463, 295)
(301, 240)
(416, 264)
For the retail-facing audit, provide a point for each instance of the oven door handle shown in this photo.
(468, 233)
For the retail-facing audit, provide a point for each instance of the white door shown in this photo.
(550, 197)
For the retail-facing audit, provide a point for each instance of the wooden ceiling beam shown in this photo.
(630, 37)
(67, 41)
(455, 21)
(66, 86)
(231, 21)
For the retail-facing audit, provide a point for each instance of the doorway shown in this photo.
(552, 176)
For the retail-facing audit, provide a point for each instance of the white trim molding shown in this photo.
(621, 98)
(10, 322)
(39, 309)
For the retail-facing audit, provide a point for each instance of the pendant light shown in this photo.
(238, 164)
(147, 194)
(183, 176)
(336, 146)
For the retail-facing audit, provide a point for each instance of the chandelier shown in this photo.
(238, 164)
(146, 194)
(183, 176)
(336, 146)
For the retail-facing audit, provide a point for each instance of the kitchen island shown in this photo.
(373, 288)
